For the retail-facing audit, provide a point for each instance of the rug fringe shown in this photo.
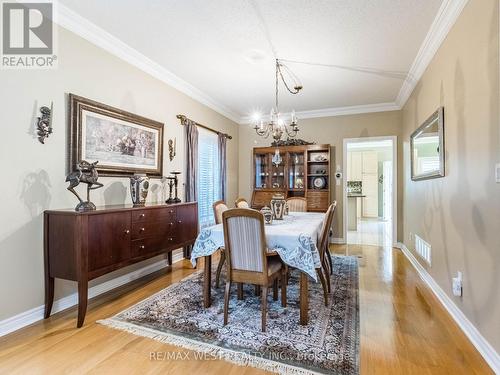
(228, 355)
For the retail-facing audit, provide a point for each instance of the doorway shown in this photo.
(370, 190)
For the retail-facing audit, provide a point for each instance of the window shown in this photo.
(209, 184)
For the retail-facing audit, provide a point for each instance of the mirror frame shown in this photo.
(439, 116)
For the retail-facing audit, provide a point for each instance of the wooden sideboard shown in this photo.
(81, 246)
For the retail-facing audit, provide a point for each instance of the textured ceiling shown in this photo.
(225, 48)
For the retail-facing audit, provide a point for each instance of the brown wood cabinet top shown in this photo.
(293, 148)
(117, 208)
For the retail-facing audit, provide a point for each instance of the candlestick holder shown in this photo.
(173, 183)
(176, 184)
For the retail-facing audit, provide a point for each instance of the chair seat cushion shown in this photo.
(273, 265)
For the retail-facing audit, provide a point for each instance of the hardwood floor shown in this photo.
(404, 330)
(371, 231)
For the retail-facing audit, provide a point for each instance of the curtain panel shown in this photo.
(191, 170)
(223, 165)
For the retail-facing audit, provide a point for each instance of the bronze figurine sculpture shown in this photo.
(44, 123)
(87, 173)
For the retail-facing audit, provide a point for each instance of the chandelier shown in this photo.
(277, 126)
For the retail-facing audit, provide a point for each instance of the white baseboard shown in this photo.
(31, 316)
(340, 241)
(480, 343)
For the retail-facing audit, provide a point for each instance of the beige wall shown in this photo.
(331, 130)
(459, 215)
(34, 174)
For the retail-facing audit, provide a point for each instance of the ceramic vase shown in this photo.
(278, 206)
(268, 215)
(139, 186)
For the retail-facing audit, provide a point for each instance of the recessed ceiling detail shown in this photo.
(218, 52)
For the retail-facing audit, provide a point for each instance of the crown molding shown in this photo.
(336, 111)
(446, 17)
(82, 27)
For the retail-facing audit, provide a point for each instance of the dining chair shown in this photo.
(323, 247)
(219, 207)
(241, 203)
(327, 250)
(247, 260)
(297, 204)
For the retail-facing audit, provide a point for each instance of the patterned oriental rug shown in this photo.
(329, 344)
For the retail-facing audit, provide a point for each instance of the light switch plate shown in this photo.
(497, 173)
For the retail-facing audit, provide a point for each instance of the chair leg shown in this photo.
(264, 307)
(323, 284)
(240, 291)
(219, 267)
(275, 289)
(226, 301)
(283, 288)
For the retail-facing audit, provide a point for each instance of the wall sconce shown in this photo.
(171, 149)
(44, 123)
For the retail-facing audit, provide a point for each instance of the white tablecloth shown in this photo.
(293, 238)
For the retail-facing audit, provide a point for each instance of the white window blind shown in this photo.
(209, 184)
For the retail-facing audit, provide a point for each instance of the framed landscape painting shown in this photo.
(123, 143)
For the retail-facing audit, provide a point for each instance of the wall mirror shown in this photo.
(427, 148)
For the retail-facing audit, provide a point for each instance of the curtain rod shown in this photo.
(184, 119)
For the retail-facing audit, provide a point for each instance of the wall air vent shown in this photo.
(423, 249)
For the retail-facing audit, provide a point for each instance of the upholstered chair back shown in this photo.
(245, 239)
(297, 204)
(219, 207)
(241, 203)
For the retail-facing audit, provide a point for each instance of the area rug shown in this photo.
(328, 344)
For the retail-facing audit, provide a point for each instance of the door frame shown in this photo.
(394, 140)
(384, 164)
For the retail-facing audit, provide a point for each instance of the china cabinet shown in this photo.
(294, 171)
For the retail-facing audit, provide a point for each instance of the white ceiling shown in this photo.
(224, 48)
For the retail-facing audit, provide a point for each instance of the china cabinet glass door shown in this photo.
(278, 175)
(261, 171)
(296, 171)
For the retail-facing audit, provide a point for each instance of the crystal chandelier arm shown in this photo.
(264, 131)
(291, 131)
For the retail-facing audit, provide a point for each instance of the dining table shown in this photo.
(294, 239)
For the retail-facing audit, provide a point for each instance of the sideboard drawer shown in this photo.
(146, 229)
(159, 214)
(149, 245)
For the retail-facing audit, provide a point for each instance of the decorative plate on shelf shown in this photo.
(319, 182)
(320, 157)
